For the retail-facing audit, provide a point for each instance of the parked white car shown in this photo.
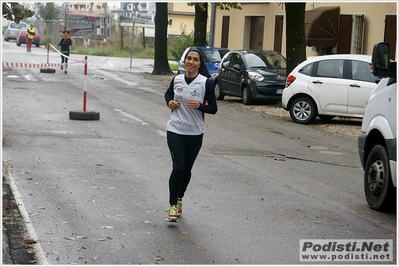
(328, 86)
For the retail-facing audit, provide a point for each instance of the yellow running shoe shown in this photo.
(172, 214)
(179, 208)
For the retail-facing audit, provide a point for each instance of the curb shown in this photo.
(24, 223)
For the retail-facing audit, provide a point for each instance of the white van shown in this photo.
(377, 140)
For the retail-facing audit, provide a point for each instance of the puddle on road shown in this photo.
(256, 152)
(324, 150)
(240, 151)
(331, 152)
(318, 147)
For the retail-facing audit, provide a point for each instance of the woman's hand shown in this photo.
(173, 104)
(192, 103)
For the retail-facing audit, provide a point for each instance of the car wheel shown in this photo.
(37, 45)
(18, 44)
(84, 115)
(303, 110)
(246, 96)
(218, 92)
(326, 117)
(379, 190)
(6, 39)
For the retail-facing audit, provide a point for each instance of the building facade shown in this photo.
(180, 18)
(344, 27)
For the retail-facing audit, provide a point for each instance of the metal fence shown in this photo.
(49, 29)
(52, 29)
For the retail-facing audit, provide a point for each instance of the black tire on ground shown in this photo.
(246, 96)
(84, 115)
(218, 92)
(18, 44)
(378, 187)
(47, 70)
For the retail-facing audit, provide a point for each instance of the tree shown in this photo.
(161, 63)
(49, 11)
(14, 11)
(201, 19)
(295, 34)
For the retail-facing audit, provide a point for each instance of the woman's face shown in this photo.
(192, 62)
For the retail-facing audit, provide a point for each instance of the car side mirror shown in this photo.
(237, 67)
(380, 60)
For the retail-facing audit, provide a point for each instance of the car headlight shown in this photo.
(255, 76)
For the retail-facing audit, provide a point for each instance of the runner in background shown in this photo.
(65, 43)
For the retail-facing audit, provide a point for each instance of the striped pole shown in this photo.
(48, 52)
(84, 89)
(48, 69)
(84, 114)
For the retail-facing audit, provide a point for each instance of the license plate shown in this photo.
(279, 91)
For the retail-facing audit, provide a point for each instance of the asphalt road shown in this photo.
(95, 192)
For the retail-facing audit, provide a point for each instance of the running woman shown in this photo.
(189, 96)
(65, 43)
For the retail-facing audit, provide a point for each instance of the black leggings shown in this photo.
(63, 58)
(184, 150)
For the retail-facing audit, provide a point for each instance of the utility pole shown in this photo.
(134, 26)
(66, 17)
(212, 26)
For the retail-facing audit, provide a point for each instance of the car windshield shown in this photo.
(214, 55)
(17, 25)
(265, 60)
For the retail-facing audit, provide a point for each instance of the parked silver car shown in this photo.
(12, 30)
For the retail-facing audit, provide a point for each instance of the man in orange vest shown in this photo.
(30, 34)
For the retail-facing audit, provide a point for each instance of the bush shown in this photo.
(44, 40)
(178, 45)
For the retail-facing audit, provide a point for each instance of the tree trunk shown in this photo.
(161, 63)
(295, 34)
(201, 18)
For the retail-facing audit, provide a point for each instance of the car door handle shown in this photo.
(318, 82)
(354, 85)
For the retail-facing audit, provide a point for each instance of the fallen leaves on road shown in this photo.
(158, 258)
(30, 241)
